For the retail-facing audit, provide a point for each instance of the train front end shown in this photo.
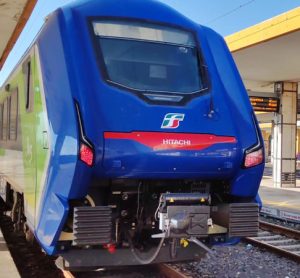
(170, 155)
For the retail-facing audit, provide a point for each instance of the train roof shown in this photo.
(142, 9)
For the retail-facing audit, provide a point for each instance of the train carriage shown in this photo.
(127, 137)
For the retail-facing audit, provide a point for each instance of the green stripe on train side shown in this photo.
(32, 123)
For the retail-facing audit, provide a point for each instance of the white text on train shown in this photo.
(176, 142)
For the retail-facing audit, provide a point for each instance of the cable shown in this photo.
(229, 12)
(160, 204)
(138, 257)
(138, 201)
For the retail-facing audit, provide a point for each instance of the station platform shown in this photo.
(7, 265)
(282, 203)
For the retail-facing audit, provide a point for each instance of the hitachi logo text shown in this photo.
(176, 142)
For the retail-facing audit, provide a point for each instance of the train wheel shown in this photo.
(89, 201)
(17, 212)
(2, 206)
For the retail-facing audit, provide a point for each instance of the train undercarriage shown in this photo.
(131, 222)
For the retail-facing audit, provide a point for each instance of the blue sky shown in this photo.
(224, 16)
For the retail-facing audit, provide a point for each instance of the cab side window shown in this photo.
(13, 115)
(5, 120)
(28, 84)
(1, 120)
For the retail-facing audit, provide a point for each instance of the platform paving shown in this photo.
(7, 265)
(280, 202)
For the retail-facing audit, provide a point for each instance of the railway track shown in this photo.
(169, 271)
(161, 270)
(284, 241)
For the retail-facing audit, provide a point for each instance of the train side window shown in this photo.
(13, 115)
(5, 120)
(27, 70)
(1, 120)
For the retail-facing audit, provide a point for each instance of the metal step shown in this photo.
(92, 225)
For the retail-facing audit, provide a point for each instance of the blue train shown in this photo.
(127, 137)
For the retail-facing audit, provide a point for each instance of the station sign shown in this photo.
(265, 104)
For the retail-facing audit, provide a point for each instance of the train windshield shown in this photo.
(149, 58)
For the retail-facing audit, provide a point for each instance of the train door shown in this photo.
(42, 133)
(28, 139)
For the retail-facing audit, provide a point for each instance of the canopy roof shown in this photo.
(269, 51)
(13, 16)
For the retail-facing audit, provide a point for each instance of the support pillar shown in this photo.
(284, 136)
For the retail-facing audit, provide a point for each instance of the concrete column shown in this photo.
(284, 139)
(298, 141)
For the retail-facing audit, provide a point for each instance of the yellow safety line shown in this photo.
(275, 27)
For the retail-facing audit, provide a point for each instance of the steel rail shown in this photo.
(68, 274)
(276, 229)
(168, 271)
(279, 229)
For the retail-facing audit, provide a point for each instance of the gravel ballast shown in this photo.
(242, 260)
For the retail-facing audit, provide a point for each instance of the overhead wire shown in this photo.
(230, 12)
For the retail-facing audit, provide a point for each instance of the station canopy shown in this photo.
(268, 52)
(13, 16)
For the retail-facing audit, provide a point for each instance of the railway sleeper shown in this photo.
(282, 241)
(290, 247)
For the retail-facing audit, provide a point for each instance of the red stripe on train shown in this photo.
(168, 140)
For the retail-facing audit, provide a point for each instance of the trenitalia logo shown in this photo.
(171, 120)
